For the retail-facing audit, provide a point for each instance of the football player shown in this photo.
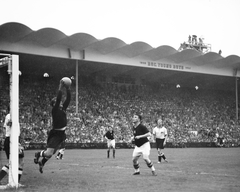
(57, 134)
(160, 137)
(109, 136)
(142, 145)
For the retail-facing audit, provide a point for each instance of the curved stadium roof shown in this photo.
(49, 42)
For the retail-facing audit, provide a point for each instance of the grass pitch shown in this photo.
(188, 170)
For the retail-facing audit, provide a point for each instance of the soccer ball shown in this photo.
(67, 81)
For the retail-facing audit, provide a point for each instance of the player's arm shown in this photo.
(67, 101)
(165, 136)
(143, 136)
(154, 134)
(105, 136)
(7, 121)
(59, 95)
(132, 140)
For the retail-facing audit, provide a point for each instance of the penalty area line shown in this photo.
(217, 174)
(160, 170)
(170, 171)
(120, 167)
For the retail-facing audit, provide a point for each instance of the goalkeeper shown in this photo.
(57, 134)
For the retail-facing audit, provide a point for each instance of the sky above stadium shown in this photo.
(156, 22)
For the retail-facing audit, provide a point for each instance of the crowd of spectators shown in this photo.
(190, 115)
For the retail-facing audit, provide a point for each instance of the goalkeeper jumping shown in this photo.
(57, 134)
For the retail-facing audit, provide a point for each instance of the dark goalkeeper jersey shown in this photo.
(140, 130)
(59, 116)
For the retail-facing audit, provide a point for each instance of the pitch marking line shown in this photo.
(162, 170)
(217, 174)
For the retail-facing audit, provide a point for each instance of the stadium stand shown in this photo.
(190, 115)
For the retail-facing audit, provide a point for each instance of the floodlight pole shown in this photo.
(76, 86)
(236, 90)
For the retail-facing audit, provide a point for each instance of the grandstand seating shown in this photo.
(185, 111)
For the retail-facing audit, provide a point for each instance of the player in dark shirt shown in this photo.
(59, 122)
(142, 145)
(109, 135)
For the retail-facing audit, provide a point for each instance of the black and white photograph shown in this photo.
(120, 95)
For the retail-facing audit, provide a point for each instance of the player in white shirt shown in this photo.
(160, 137)
(7, 125)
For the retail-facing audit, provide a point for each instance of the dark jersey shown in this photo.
(59, 116)
(140, 130)
(110, 135)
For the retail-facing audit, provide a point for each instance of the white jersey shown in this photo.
(160, 133)
(6, 126)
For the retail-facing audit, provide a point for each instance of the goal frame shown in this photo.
(12, 62)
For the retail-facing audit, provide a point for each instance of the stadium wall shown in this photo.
(37, 146)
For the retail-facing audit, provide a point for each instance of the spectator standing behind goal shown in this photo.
(160, 137)
(142, 145)
(57, 134)
(109, 135)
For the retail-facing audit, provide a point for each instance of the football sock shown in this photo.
(163, 156)
(4, 172)
(159, 158)
(150, 165)
(108, 153)
(113, 153)
(20, 171)
(136, 167)
(44, 160)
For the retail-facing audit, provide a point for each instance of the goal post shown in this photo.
(12, 62)
(13, 70)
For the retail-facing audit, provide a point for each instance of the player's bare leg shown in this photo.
(108, 152)
(159, 156)
(114, 152)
